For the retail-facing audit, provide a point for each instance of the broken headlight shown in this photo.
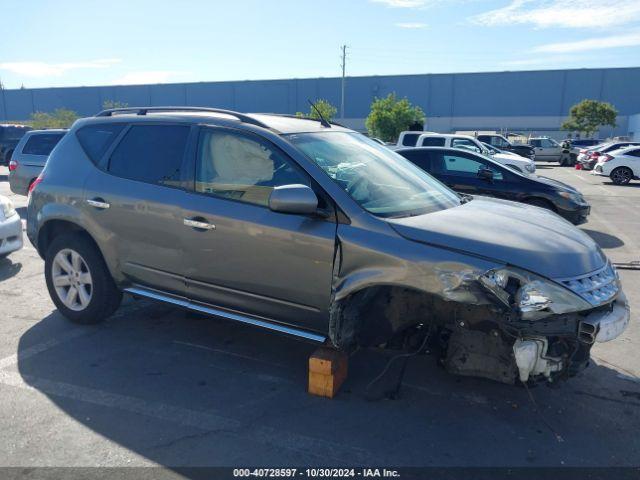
(533, 296)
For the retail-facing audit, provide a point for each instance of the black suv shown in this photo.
(10, 135)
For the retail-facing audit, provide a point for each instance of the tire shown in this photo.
(541, 202)
(621, 175)
(75, 262)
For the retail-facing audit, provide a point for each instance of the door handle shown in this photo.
(98, 203)
(199, 224)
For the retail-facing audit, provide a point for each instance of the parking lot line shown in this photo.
(41, 347)
(231, 354)
(205, 421)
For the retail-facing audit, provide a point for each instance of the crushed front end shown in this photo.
(552, 324)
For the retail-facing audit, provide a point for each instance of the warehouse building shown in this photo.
(534, 102)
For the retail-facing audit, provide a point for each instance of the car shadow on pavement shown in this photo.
(4, 178)
(8, 268)
(185, 390)
(22, 211)
(628, 185)
(604, 240)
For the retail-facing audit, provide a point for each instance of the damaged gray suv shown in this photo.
(310, 229)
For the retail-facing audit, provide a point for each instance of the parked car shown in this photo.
(310, 229)
(511, 160)
(548, 150)
(621, 165)
(10, 228)
(10, 135)
(577, 144)
(29, 158)
(591, 157)
(474, 174)
(502, 143)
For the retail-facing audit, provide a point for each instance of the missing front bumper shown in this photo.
(531, 353)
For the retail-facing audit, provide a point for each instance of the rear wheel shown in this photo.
(621, 175)
(78, 280)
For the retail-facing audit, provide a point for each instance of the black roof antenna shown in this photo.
(323, 121)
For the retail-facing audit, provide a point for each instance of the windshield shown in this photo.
(379, 180)
(493, 150)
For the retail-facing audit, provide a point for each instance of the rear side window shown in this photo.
(433, 142)
(410, 139)
(634, 153)
(41, 144)
(151, 154)
(96, 139)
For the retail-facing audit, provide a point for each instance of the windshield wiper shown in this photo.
(464, 198)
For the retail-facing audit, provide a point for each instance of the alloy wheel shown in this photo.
(72, 279)
(621, 176)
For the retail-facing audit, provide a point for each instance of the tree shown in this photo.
(109, 104)
(327, 110)
(390, 116)
(60, 118)
(588, 115)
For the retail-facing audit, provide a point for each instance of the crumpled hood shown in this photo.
(512, 233)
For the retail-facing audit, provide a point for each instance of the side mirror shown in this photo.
(296, 199)
(485, 174)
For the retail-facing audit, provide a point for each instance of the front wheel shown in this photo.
(78, 280)
(621, 175)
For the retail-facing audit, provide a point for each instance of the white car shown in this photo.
(621, 166)
(10, 228)
(467, 142)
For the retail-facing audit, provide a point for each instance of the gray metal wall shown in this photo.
(533, 100)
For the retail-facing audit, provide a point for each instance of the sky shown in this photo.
(115, 42)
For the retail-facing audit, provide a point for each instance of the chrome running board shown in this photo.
(197, 307)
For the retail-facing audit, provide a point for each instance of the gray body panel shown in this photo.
(271, 264)
(143, 226)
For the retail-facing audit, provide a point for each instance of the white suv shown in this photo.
(621, 165)
(467, 142)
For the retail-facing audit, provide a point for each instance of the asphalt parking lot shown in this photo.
(157, 386)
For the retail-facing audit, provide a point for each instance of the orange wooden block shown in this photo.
(327, 372)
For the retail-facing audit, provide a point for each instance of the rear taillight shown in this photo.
(34, 184)
(605, 158)
(13, 166)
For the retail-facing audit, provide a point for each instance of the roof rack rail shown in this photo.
(144, 110)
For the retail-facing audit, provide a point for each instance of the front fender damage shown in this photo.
(385, 302)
